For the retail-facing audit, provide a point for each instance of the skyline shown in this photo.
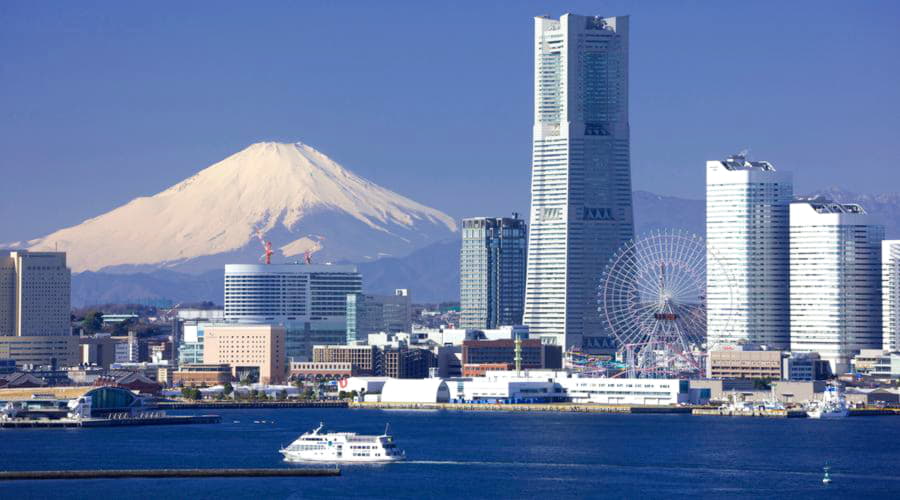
(192, 93)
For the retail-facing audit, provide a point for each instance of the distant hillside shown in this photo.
(432, 272)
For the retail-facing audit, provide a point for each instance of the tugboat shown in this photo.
(342, 447)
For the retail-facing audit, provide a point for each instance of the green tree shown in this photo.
(227, 389)
(282, 395)
(92, 322)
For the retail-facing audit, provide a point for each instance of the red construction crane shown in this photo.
(267, 247)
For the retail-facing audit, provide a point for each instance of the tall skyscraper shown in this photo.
(890, 295)
(835, 280)
(35, 290)
(492, 272)
(581, 210)
(310, 301)
(378, 313)
(747, 231)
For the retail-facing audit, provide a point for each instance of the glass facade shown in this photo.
(310, 301)
(492, 272)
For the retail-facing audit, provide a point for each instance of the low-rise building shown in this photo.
(728, 364)
(805, 366)
(318, 370)
(44, 350)
(98, 350)
(428, 390)
(363, 358)
(480, 369)
(535, 355)
(632, 391)
(872, 397)
(865, 361)
(192, 375)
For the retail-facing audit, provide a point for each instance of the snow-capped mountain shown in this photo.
(295, 196)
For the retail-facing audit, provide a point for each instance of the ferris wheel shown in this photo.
(653, 299)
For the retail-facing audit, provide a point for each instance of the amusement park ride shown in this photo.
(653, 300)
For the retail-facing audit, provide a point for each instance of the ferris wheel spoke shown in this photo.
(653, 296)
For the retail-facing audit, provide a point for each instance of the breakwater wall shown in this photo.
(108, 422)
(166, 473)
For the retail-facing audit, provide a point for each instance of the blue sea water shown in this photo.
(481, 455)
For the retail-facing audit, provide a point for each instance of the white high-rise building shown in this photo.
(890, 294)
(747, 231)
(310, 301)
(835, 280)
(581, 208)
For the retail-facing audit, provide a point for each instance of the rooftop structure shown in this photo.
(747, 232)
(835, 280)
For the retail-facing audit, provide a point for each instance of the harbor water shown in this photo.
(455, 454)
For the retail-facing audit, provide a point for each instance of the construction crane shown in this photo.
(307, 255)
(267, 247)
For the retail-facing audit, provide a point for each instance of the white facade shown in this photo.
(626, 391)
(427, 390)
(310, 301)
(890, 294)
(581, 207)
(748, 233)
(835, 288)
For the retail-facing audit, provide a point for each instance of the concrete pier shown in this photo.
(165, 473)
(109, 422)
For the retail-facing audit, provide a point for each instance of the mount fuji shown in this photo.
(291, 194)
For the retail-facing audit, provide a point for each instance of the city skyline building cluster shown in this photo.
(803, 274)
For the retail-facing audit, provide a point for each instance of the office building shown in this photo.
(255, 352)
(492, 272)
(535, 355)
(35, 292)
(890, 295)
(310, 301)
(835, 280)
(753, 364)
(747, 233)
(805, 366)
(378, 313)
(189, 327)
(199, 374)
(365, 360)
(581, 208)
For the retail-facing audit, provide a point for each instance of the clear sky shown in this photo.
(101, 102)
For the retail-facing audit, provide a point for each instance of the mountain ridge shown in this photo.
(292, 194)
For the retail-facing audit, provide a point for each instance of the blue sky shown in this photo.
(101, 102)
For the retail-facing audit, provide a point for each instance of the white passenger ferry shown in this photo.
(319, 446)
